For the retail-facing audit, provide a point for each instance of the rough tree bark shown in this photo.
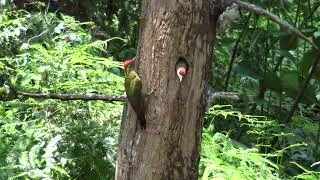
(169, 147)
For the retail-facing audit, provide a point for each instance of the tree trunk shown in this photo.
(169, 147)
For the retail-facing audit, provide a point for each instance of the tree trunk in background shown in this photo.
(170, 145)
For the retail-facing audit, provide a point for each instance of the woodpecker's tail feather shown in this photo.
(142, 119)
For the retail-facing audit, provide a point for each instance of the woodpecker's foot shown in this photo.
(149, 93)
(155, 87)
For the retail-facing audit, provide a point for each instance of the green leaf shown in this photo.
(305, 65)
(305, 9)
(59, 169)
(288, 42)
(272, 81)
(289, 80)
(317, 40)
(286, 54)
(291, 83)
(23, 174)
(246, 68)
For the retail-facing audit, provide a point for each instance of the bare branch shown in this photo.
(68, 97)
(226, 96)
(91, 97)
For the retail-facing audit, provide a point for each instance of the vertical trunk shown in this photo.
(169, 147)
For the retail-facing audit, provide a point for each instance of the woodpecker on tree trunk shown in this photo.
(133, 87)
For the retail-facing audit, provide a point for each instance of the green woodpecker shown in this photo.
(133, 88)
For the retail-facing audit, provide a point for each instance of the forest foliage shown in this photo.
(78, 47)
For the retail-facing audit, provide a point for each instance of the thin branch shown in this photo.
(44, 32)
(233, 57)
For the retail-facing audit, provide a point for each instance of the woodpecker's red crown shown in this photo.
(126, 64)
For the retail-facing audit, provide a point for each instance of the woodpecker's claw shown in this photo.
(150, 92)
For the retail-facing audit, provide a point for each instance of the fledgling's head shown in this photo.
(181, 72)
(181, 68)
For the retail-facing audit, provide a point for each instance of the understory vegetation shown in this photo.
(70, 47)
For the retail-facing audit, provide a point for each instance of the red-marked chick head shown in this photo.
(181, 72)
(181, 68)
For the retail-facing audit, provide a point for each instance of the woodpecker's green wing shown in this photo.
(133, 88)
